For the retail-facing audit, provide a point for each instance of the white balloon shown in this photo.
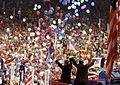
(79, 24)
(90, 30)
(24, 20)
(69, 7)
(54, 22)
(59, 21)
(35, 5)
(29, 29)
(82, 1)
(11, 17)
(39, 6)
(35, 9)
(88, 11)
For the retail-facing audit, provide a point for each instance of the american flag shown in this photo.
(112, 36)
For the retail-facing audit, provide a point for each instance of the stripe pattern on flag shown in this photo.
(112, 39)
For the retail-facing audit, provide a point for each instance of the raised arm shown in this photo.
(74, 62)
(59, 64)
(89, 65)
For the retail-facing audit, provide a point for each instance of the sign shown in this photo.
(97, 62)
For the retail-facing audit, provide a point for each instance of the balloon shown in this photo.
(58, 8)
(64, 2)
(50, 12)
(83, 7)
(76, 10)
(92, 3)
(73, 6)
(51, 20)
(41, 19)
(51, 8)
(38, 13)
(43, 24)
(61, 15)
(46, 18)
(73, 17)
(46, 12)
(66, 18)
(58, 14)
(86, 0)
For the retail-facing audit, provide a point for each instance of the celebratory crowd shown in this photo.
(30, 45)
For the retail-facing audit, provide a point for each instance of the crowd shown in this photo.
(31, 45)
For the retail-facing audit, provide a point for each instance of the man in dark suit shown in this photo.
(82, 72)
(66, 71)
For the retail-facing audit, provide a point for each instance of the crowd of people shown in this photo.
(31, 45)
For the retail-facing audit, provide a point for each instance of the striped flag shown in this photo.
(9, 61)
(112, 37)
(30, 80)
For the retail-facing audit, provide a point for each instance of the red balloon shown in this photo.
(58, 14)
(61, 15)
(38, 13)
(49, 12)
(43, 24)
(73, 16)
(58, 8)
(41, 19)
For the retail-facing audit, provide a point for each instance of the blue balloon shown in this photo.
(66, 18)
(73, 1)
(86, 0)
(67, 15)
(73, 6)
(76, 10)
(92, 3)
(64, 3)
(51, 11)
(51, 8)
(60, 0)
(46, 18)
(46, 12)
(68, 1)
(51, 20)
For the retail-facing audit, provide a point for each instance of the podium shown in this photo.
(90, 82)
(115, 77)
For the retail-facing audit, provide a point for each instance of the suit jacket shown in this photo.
(66, 72)
(82, 72)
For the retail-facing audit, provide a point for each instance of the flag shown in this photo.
(7, 62)
(30, 80)
(112, 38)
(51, 50)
